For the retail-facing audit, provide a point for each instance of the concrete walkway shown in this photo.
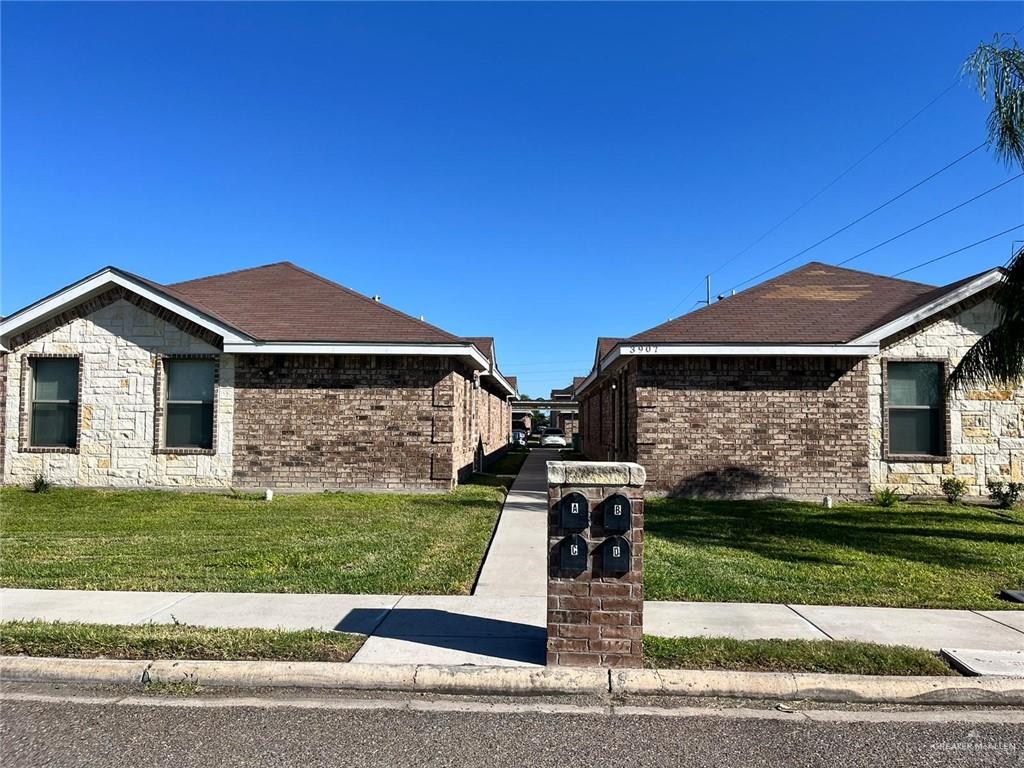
(516, 565)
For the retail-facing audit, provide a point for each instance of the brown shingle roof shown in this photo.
(606, 344)
(815, 303)
(283, 302)
(485, 344)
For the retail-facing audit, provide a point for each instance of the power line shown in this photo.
(959, 250)
(861, 218)
(824, 189)
(929, 221)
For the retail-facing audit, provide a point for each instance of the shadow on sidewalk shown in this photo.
(456, 631)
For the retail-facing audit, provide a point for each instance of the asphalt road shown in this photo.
(44, 725)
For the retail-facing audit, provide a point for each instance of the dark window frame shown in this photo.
(943, 456)
(28, 400)
(160, 411)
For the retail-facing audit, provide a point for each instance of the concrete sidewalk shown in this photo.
(509, 630)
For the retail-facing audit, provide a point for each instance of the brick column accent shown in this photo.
(595, 615)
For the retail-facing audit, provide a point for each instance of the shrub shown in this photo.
(1005, 494)
(41, 485)
(954, 488)
(887, 497)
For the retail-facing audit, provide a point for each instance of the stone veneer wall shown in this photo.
(119, 342)
(732, 426)
(986, 427)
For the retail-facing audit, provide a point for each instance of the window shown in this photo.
(916, 418)
(54, 402)
(189, 420)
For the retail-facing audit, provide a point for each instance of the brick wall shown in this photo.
(485, 425)
(727, 426)
(607, 417)
(568, 423)
(985, 426)
(347, 421)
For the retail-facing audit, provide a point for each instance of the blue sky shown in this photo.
(541, 173)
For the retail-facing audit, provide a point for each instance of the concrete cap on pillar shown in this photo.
(615, 473)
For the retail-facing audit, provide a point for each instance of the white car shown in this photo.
(552, 438)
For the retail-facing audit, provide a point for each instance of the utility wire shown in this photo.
(959, 250)
(823, 190)
(929, 221)
(861, 218)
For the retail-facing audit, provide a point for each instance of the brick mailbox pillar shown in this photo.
(595, 563)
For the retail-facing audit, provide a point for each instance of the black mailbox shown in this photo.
(617, 510)
(615, 555)
(573, 512)
(572, 553)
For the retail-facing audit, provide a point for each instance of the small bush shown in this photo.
(41, 485)
(1005, 495)
(887, 497)
(954, 488)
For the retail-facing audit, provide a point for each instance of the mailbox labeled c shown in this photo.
(572, 553)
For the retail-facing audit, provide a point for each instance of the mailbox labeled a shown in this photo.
(572, 553)
(615, 555)
(617, 511)
(573, 512)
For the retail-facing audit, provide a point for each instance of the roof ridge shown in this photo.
(368, 300)
(862, 272)
(764, 284)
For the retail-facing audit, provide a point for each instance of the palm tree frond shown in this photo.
(997, 359)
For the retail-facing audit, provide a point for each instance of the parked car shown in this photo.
(519, 437)
(553, 438)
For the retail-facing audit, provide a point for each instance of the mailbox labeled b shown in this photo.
(615, 555)
(573, 512)
(617, 510)
(572, 553)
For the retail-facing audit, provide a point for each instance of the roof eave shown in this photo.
(94, 284)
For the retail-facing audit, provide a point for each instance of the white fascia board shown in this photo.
(751, 350)
(977, 285)
(726, 350)
(503, 382)
(99, 282)
(344, 348)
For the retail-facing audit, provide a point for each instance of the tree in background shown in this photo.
(998, 358)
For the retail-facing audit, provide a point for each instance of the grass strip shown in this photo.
(172, 641)
(829, 656)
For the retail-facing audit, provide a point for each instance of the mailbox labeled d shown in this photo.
(615, 555)
(573, 512)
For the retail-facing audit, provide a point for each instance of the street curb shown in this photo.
(877, 689)
(521, 681)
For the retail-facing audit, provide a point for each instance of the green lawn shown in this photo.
(917, 555)
(790, 656)
(325, 542)
(172, 641)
